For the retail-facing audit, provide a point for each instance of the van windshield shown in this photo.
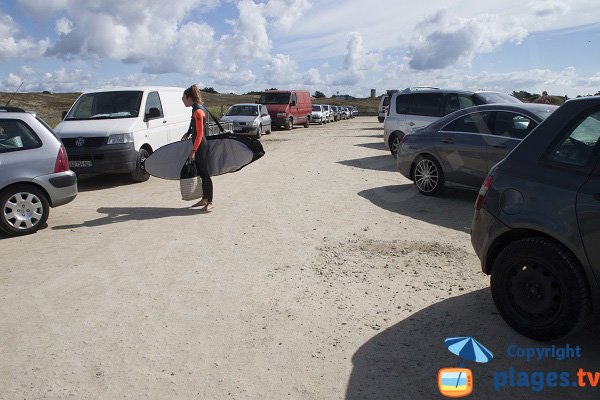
(245, 111)
(106, 105)
(275, 98)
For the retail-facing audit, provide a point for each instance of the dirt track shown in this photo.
(321, 274)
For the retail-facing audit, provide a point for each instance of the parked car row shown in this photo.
(537, 216)
(323, 113)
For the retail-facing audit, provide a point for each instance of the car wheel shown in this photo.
(25, 209)
(395, 140)
(259, 132)
(289, 124)
(139, 174)
(540, 289)
(428, 176)
(380, 119)
(307, 123)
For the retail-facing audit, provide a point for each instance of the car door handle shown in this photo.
(411, 123)
(164, 121)
(448, 140)
(499, 146)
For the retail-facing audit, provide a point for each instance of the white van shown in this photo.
(114, 130)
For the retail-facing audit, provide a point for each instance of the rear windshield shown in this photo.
(245, 111)
(495, 98)
(106, 105)
(316, 108)
(275, 98)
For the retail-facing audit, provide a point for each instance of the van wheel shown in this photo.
(139, 174)
(259, 133)
(289, 124)
(24, 210)
(395, 141)
(307, 122)
(380, 119)
(540, 289)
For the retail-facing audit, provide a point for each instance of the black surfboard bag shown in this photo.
(228, 152)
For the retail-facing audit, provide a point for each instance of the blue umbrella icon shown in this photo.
(467, 348)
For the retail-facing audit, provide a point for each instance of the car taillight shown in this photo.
(487, 184)
(62, 161)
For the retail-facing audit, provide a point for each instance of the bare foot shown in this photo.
(203, 202)
(208, 207)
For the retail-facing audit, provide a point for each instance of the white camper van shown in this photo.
(114, 130)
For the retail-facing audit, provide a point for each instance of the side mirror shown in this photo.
(152, 113)
(293, 104)
(63, 115)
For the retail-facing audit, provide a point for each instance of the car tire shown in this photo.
(428, 176)
(289, 125)
(259, 132)
(395, 140)
(540, 289)
(33, 207)
(139, 174)
(307, 123)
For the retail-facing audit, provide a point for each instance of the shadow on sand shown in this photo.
(402, 362)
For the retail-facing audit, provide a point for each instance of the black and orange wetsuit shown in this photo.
(198, 127)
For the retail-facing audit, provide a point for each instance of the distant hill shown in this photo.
(50, 106)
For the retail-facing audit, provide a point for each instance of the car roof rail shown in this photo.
(11, 109)
(417, 88)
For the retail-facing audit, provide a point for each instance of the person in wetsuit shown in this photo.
(192, 98)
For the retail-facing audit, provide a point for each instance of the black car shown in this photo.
(461, 147)
(536, 227)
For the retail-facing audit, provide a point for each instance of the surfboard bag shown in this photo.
(190, 183)
(230, 153)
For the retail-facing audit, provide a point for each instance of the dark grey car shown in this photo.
(536, 227)
(461, 147)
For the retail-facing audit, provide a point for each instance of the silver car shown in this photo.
(34, 172)
(249, 119)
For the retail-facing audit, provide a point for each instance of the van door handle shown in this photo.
(164, 121)
(448, 140)
(411, 123)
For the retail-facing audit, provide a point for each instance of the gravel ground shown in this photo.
(321, 274)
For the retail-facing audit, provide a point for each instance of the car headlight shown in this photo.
(281, 115)
(120, 138)
(255, 122)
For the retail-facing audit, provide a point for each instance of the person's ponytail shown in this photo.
(194, 93)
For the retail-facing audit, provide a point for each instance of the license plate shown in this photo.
(80, 164)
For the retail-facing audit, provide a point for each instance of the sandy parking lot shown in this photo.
(321, 274)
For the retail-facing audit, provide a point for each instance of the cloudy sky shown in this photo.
(348, 46)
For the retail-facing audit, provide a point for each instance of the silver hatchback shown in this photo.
(34, 172)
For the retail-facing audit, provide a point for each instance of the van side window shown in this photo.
(402, 104)
(578, 146)
(455, 102)
(16, 135)
(426, 104)
(294, 100)
(153, 101)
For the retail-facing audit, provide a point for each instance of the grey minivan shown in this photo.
(34, 172)
(536, 227)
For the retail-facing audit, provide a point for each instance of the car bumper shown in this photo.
(114, 158)
(404, 163)
(279, 121)
(316, 119)
(485, 228)
(245, 130)
(61, 187)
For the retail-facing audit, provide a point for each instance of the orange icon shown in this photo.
(455, 382)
